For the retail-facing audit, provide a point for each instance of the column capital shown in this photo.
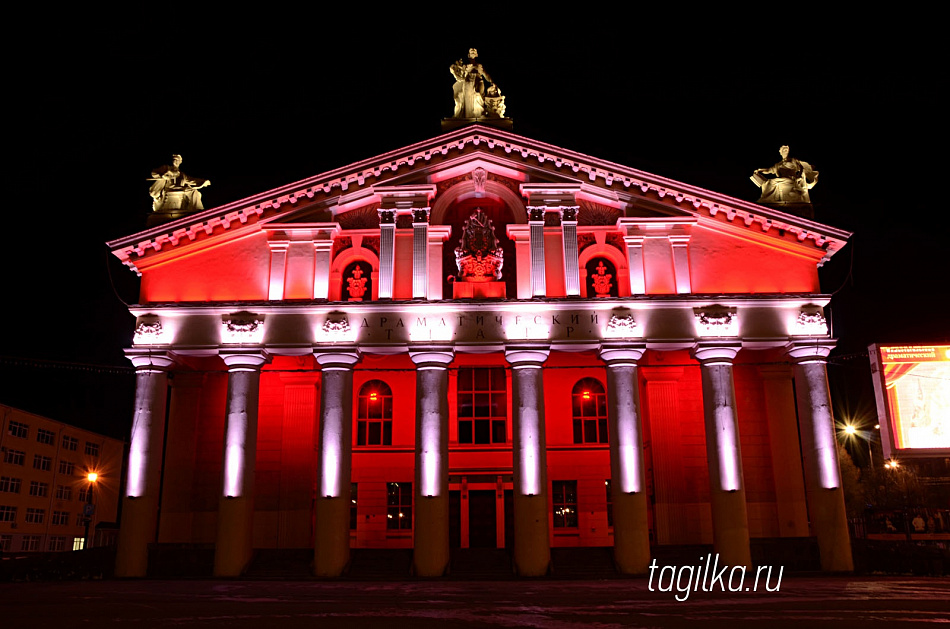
(340, 358)
(622, 354)
(386, 216)
(527, 356)
(420, 216)
(436, 357)
(243, 360)
(709, 354)
(810, 351)
(149, 360)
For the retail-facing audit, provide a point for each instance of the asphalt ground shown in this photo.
(801, 602)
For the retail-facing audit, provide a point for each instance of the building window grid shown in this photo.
(67, 467)
(43, 463)
(7, 513)
(44, 436)
(564, 503)
(64, 492)
(78, 543)
(60, 518)
(70, 443)
(35, 516)
(589, 411)
(399, 506)
(14, 457)
(482, 405)
(30, 543)
(374, 418)
(18, 429)
(57, 543)
(92, 449)
(10, 485)
(38, 489)
(83, 494)
(6, 542)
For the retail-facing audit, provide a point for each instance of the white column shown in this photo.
(430, 555)
(681, 263)
(387, 252)
(321, 268)
(572, 282)
(278, 268)
(532, 547)
(234, 546)
(140, 503)
(437, 235)
(420, 253)
(638, 284)
(820, 455)
(332, 503)
(536, 239)
(628, 484)
(727, 491)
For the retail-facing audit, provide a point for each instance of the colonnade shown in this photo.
(233, 546)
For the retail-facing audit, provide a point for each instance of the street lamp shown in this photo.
(852, 432)
(89, 508)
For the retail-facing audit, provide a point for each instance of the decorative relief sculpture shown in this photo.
(811, 324)
(479, 256)
(243, 327)
(174, 191)
(621, 327)
(356, 285)
(717, 323)
(601, 280)
(479, 179)
(789, 183)
(336, 330)
(472, 98)
(148, 331)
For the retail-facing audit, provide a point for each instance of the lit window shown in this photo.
(14, 457)
(70, 443)
(10, 485)
(60, 518)
(30, 543)
(482, 405)
(39, 489)
(35, 516)
(78, 543)
(7, 513)
(67, 467)
(44, 463)
(18, 429)
(45, 436)
(374, 417)
(353, 500)
(564, 501)
(589, 409)
(64, 493)
(92, 449)
(399, 506)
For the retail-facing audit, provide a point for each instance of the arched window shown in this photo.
(374, 416)
(357, 282)
(589, 409)
(601, 278)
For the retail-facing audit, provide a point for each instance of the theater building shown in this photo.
(481, 341)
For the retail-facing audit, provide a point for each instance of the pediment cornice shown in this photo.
(540, 161)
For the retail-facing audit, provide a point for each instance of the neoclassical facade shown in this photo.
(481, 340)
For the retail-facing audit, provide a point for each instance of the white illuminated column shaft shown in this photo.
(572, 280)
(234, 546)
(140, 503)
(387, 252)
(536, 243)
(278, 269)
(727, 492)
(332, 503)
(820, 453)
(532, 547)
(627, 468)
(430, 555)
(420, 253)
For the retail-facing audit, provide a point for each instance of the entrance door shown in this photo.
(455, 518)
(482, 525)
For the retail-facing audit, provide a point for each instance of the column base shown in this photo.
(331, 554)
(233, 548)
(631, 533)
(430, 554)
(831, 527)
(136, 532)
(532, 546)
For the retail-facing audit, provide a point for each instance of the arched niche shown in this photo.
(344, 260)
(615, 257)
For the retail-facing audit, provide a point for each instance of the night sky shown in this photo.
(255, 107)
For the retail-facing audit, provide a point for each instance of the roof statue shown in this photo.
(788, 186)
(174, 193)
(477, 98)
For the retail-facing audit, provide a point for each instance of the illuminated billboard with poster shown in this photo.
(912, 383)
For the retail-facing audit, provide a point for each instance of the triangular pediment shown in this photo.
(605, 189)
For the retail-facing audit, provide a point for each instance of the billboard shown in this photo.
(912, 385)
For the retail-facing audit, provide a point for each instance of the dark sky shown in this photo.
(703, 99)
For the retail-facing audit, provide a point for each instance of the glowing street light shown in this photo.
(852, 432)
(89, 508)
